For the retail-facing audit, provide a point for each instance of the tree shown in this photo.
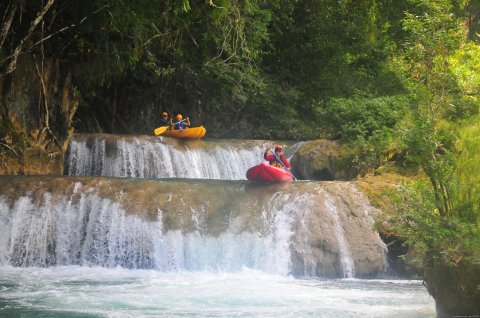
(441, 219)
(18, 42)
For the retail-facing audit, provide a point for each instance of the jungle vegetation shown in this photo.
(398, 80)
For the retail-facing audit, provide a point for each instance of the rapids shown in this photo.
(80, 291)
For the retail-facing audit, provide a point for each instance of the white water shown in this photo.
(102, 261)
(99, 292)
(234, 274)
(346, 261)
(84, 229)
(161, 157)
(289, 228)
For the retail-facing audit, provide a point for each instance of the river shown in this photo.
(126, 235)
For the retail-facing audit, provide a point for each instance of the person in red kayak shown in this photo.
(274, 159)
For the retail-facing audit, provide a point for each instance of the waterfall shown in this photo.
(162, 157)
(85, 229)
(196, 225)
(155, 219)
(346, 262)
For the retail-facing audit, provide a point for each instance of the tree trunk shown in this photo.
(37, 110)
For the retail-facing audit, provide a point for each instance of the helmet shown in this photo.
(179, 116)
(278, 148)
(164, 114)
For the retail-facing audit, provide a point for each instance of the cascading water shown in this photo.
(161, 157)
(177, 225)
(346, 262)
(82, 228)
(98, 247)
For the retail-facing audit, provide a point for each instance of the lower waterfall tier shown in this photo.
(302, 228)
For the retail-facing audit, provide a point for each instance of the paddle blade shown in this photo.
(160, 130)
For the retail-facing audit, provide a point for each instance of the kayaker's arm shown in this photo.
(286, 163)
(270, 156)
(267, 155)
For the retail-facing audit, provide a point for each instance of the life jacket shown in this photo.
(178, 126)
(277, 164)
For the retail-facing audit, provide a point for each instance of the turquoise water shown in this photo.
(76, 291)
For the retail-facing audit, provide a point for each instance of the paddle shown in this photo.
(178, 123)
(160, 130)
(285, 167)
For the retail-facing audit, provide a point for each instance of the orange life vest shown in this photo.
(277, 164)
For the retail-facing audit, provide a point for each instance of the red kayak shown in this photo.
(267, 173)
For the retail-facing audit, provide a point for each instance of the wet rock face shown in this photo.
(342, 235)
(322, 160)
(455, 290)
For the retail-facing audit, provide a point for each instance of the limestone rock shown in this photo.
(323, 160)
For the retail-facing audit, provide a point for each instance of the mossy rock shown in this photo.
(323, 160)
(455, 289)
(32, 161)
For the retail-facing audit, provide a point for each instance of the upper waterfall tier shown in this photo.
(301, 228)
(162, 157)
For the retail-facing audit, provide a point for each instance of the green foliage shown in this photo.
(438, 240)
(467, 174)
(440, 217)
(244, 68)
(369, 153)
(329, 48)
(433, 34)
(465, 66)
(367, 123)
(351, 118)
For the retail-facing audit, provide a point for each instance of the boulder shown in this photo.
(323, 160)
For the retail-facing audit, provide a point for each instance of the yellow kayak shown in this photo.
(194, 132)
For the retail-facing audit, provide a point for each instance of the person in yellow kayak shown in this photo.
(164, 120)
(277, 159)
(181, 123)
